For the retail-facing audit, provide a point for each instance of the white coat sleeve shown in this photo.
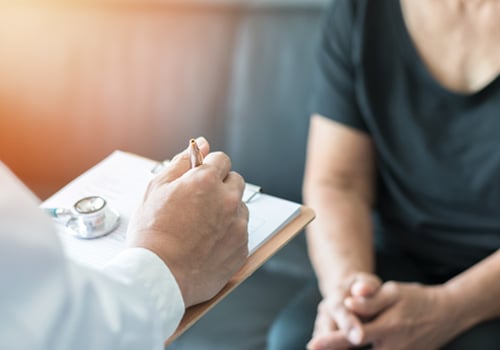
(48, 302)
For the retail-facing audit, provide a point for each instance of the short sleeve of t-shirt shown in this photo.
(334, 88)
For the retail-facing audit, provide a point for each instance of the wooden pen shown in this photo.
(195, 156)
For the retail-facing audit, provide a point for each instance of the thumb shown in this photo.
(365, 285)
(180, 163)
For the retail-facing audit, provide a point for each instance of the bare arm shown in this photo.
(474, 293)
(339, 185)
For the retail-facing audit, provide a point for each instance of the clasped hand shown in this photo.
(387, 315)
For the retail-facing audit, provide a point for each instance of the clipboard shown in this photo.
(273, 221)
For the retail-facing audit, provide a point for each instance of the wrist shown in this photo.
(144, 240)
(455, 311)
(463, 306)
(339, 283)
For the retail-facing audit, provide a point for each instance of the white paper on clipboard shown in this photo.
(121, 179)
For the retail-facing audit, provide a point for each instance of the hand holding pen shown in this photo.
(191, 220)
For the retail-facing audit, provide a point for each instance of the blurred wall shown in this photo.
(81, 78)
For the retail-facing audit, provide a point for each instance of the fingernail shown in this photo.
(355, 336)
(200, 140)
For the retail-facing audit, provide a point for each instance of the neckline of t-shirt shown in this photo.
(408, 49)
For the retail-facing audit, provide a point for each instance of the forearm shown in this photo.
(474, 293)
(340, 240)
(339, 184)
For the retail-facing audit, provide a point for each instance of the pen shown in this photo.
(195, 156)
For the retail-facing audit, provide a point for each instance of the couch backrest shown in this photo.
(268, 104)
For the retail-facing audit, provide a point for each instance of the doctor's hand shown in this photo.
(337, 326)
(196, 222)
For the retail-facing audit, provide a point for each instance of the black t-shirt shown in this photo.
(438, 152)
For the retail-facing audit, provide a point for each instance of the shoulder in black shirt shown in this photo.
(438, 152)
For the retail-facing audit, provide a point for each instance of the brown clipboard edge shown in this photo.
(254, 261)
